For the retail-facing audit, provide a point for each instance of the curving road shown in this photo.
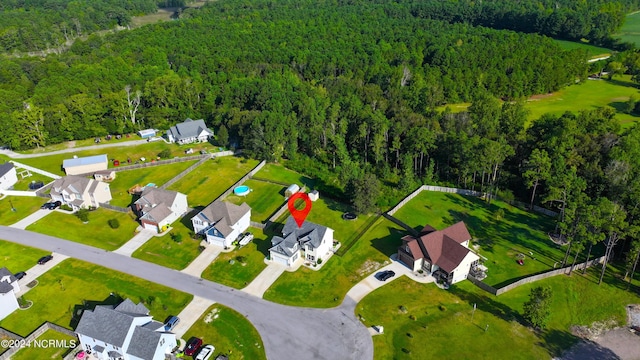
(287, 332)
(15, 155)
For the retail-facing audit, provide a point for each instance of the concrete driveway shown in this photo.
(39, 214)
(287, 332)
(206, 257)
(264, 280)
(37, 270)
(190, 314)
(138, 240)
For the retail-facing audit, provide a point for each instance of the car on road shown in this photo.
(20, 275)
(45, 259)
(51, 205)
(206, 352)
(385, 275)
(171, 323)
(192, 346)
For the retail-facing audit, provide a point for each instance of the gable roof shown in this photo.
(308, 232)
(105, 324)
(188, 129)
(286, 246)
(71, 184)
(152, 196)
(223, 215)
(443, 247)
(143, 342)
(88, 160)
(128, 306)
(5, 168)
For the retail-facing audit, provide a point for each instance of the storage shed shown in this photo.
(147, 133)
(85, 165)
(292, 189)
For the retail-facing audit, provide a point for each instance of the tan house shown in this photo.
(106, 175)
(80, 192)
(85, 165)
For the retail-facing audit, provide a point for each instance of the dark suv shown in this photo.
(51, 205)
(385, 275)
(45, 259)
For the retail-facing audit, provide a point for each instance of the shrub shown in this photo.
(319, 261)
(66, 207)
(83, 215)
(165, 154)
(176, 237)
(499, 214)
(442, 308)
(241, 259)
(114, 223)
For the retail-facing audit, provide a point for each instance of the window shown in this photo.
(310, 257)
(161, 341)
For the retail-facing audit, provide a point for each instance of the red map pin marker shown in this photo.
(299, 215)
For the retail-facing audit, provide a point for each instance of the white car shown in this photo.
(205, 352)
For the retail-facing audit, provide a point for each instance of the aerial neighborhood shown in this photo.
(319, 180)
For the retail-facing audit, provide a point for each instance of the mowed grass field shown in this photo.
(264, 199)
(24, 206)
(16, 257)
(500, 240)
(592, 50)
(630, 31)
(280, 174)
(96, 232)
(56, 351)
(211, 179)
(64, 289)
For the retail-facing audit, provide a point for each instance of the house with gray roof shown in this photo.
(8, 289)
(80, 192)
(126, 331)
(189, 131)
(222, 222)
(309, 242)
(157, 208)
(8, 176)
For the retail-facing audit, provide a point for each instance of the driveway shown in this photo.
(39, 214)
(138, 240)
(264, 280)
(287, 332)
(206, 257)
(37, 270)
(190, 314)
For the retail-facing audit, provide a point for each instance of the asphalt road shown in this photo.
(102, 145)
(287, 332)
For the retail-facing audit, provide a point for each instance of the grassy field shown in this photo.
(328, 212)
(165, 251)
(16, 257)
(592, 50)
(230, 332)
(240, 273)
(95, 233)
(156, 174)
(48, 352)
(64, 289)
(501, 241)
(24, 205)
(328, 286)
(264, 199)
(211, 179)
(278, 173)
(23, 184)
(630, 31)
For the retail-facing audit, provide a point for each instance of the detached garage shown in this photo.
(147, 133)
(85, 165)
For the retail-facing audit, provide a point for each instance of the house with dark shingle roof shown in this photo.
(222, 222)
(80, 192)
(309, 242)
(8, 289)
(444, 253)
(157, 208)
(189, 131)
(126, 331)
(8, 176)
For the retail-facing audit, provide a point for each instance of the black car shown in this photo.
(45, 259)
(20, 275)
(51, 205)
(385, 275)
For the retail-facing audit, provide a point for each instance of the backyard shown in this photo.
(16, 257)
(24, 206)
(73, 283)
(239, 267)
(500, 240)
(23, 184)
(211, 179)
(46, 351)
(230, 332)
(279, 174)
(264, 199)
(96, 232)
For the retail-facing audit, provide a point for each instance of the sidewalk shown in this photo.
(264, 280)
(137, 241)
(37, 270)
(190, 314)
(39, 214)
(206, 257)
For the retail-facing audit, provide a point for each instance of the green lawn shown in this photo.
(40, 349)
(24, 205)
(211, 179)
(240, 273)
(630, 31)
(278, 173)
(328, 286)
(230, 332)
(16, 257)
(328, 212)
(264, 199)
(156, 174)
(592, 50)
(96, 233)
(500, 240)
(167, 252)
(64, 289)
(23, 184)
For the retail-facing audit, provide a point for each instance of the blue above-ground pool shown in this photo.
(241, 190)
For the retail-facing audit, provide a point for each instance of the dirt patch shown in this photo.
(540, 97)
(368, 267)
(70, 144)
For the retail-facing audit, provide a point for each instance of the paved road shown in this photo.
(15, 155)
(287, 332)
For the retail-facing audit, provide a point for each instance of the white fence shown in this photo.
(18, 193)
(35, 170)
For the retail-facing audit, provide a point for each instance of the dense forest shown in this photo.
(349, 91)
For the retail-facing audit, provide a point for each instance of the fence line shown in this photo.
(18, 193)
(400, 223)
(257, 224)
(184, 173)
(114, 208)
(246, 177)
(35, 170)
(31, 337)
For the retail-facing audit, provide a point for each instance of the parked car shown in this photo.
(385, 275)
(20, 275)
(45, 259)
(171, 323)
(206, 352)
(245, 239)
(192, 346)
(51, 205)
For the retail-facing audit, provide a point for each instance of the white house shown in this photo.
(8, 289)
(85, 165)
(8, 176)
(125, 332)
(309, 242)
(444, 253)
(80, 192)
(222, 222)
(158, 208)
(189, 131)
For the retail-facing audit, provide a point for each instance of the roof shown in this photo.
(155, 204)
(146, 132)
(144, 343)
(105, 324)
(71, 184)
(128, 306)
(294, 188)
(223, 215)
(5, 168)
(5, 287)
(188, 129)
(81, 161)
(309, 234)
(286, 246)
(157, 214)
(5, 272)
